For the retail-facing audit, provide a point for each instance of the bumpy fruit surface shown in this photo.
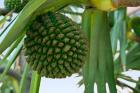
(17, 5)
(55, 46)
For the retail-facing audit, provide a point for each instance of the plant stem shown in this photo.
(24, 79)
(99, 66)
(88, 81)
(35, 82)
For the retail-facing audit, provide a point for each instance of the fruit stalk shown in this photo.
(24, 79)
(35, 82)
(105, 5)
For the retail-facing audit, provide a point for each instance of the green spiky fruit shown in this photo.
(17, 5)
(55, 46)
(135, 24)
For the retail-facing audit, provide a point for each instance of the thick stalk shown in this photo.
(107, 55)
(24, 79)
(86, 25)
(99, 66)
(35, 82)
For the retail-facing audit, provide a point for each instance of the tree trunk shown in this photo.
(127, 3)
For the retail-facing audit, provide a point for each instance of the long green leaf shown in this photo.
(12, 47)
(12, 60)
(54, 5)
(18, 25)
(118, 33)
(132, 59)
(29, 11)
(123, 37)
(4, 19)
